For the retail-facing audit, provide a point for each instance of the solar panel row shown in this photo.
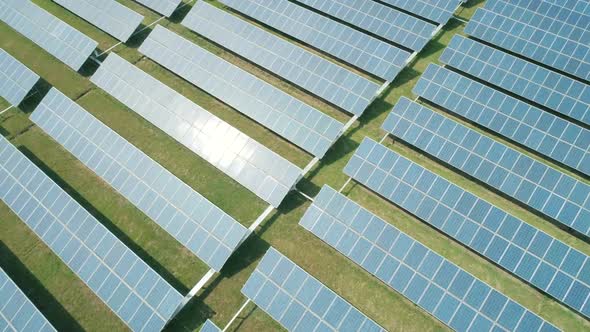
(298, 301)
(333, 83)
(209, 326)
(526, 79)
(298, 122)
(126, 284)
(16, 80)
(439, 11)
(164, 7)
(449, 293)
(534, 256)
(347, 44)
(578, 6)
(51, 34)
(555, 11)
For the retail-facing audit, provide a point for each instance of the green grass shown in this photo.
(71, 306)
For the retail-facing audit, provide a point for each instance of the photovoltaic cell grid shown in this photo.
(333, 83)
(515, 174)
(298, 301)
(443, 289)
(579, 6)
(107, 15)
(17, 312)
(287, 116)
(347, 44)
(164, 7)
(250, 163)
(534, 128)
(521, 249)
(16, 80)
(209, 326)
(526, 79)
(53, 35)
(135, 292)
(557, 10)
(439, 11)
(384, 21)
(191, 219)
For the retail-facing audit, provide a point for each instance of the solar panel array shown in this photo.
(135, 292)
(298, 301)
(386, 22)
(345, 43)
(525, 251)
(557, 10)
(439, 11)
(107, 15)
(16, 80)
(164, 7)
(296, 121)
(209, 326)
(449, 293)
(53, 35)
(17, 312)
(315, 74)
(250, 163)
(578, 6)
(532, 127)
(526, 79)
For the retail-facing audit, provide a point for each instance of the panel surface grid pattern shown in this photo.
(209, 326)
(53, 35)
(557, 10)
(443, 289)
(526, 79)
(287, 116)
(538, 44)
(250, 163)
(164, 7)
(439, 11)
(17, 312)
(333, 83)
(550, 135)
(191, 219)
(518, 247)
(107, 15)
(127, 285)
(298, 301)
(16, 80)
(515, 174)
(345, 43)
(381, 20)
(578, 6)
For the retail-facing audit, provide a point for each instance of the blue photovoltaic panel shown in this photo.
(287, 116)
(526, 79)
(107, 15)
(513, 173)
(345, 43)
(579, 6)
(536, 257)
(16, 80)
(17, 312)
(164, 7)
(389, 23)
(126, 284)
(335, 84)
(298, 301)
(444, 290)
(534, 128)
(439, 11)
(191, 219)
(209, 326)
(557, 10)
(51, 34)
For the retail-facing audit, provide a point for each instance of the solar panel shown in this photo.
(441, 288)
(287, 116)
(17, 312)
(333, 83)
(526, 79)
(513, 173)
(347, 44)
(559, 10)
(256, 167)
(389, 23)
(126, 284)
(16, 80)
(164, 7)
(53, 35)
(439, 11)
(534, 128)
(209, 326)
(579, 6)
(298, 301)
(534, 256)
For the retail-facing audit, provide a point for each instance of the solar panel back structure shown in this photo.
(557, 10)
(300, 302)
(544, 132)
(122, 280)
(51, 34)
(16, 80)
(530, 254)
(441, 288)
(338, 40)
(164, 7)
(335, 84)
(107, 15)
(439, 11)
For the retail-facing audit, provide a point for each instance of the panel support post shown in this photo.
(236, 316)
(205, 279)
